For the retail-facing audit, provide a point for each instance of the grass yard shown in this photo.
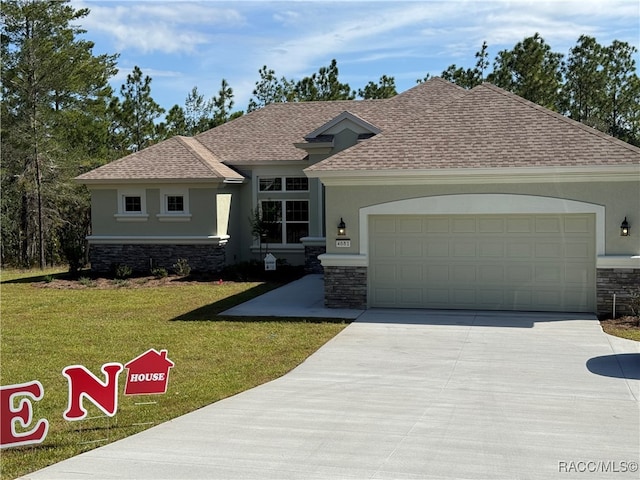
(45, 329)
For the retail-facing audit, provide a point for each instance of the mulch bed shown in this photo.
(102, 283)
(626, 322)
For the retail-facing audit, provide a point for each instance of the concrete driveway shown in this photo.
(416, 395)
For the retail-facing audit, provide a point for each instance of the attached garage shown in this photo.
(489, 262)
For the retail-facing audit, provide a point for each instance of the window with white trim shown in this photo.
(174, 205)
(286, 221)
(132, 205)
(283, 184)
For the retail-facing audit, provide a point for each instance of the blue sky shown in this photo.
(182, 44)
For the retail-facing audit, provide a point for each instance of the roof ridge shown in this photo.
(192, 144)
(558, 116)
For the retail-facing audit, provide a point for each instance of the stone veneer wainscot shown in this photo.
(142, 257)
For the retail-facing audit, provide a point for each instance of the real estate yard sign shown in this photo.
(148, 375)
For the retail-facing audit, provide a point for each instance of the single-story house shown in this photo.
(439, 197)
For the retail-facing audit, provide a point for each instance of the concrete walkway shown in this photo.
(413, 395)
(302, 298)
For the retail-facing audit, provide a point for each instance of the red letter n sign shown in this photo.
(84, 384)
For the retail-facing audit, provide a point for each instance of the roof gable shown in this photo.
(485, 128)
(345, 120)
(178, 158)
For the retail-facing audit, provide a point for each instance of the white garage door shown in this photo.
(489, 262)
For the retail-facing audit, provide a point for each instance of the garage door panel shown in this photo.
(490, 298)
(578, 225)
(491, 225)
(578, 274)
(462, 274)
(520, 249)
(385, 248)
(518, 262)
(411, 248)
(578, 250)
(464, 249)
(491, 274)
(519, 225)
(437, 248)
(519, 274)
(411, 273)
(436, 273)
(548, 273)
(437, 297)
(464, 225)
(549, 250)
(437, 225)
(384, 225)
(548, 225)
(491, 248)
(382, 273)
(412, 225)
(464, 296)
(411, 296)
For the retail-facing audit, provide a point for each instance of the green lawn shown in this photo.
(44, 330)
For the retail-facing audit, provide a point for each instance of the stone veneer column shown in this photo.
(345, 287)
(623, 282)
(313, 248)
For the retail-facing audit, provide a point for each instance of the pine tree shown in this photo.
(135, 115)
(531, 70)
(54, 93)
(385, 88)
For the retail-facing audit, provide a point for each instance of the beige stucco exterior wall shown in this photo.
(619, 199)
(202, 207)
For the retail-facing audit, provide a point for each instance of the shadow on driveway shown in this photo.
(476, 318)
(624, 365)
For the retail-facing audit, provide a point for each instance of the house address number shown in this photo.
(343, 243)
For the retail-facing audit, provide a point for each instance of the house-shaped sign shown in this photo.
(269, 262)
(148, 373)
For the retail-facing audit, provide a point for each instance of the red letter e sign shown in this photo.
(10, 415)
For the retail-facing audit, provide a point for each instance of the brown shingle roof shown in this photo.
(178, 158)
(265, 135)
(487, 127)
(269, 134)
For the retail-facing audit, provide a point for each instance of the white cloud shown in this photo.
(167, 27)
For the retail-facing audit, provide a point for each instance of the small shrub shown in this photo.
(120, 282)
(123, 271)
(159, 272)
(48, 278)
(182, 267)
(86, 282)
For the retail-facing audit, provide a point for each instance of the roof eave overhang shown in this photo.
(315, 147)
(140, 181)
(250, 163)
(622, 173)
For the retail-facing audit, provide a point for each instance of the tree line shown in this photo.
(61, 118)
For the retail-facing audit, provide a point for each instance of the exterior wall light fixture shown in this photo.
(342, 228)
(624, 228)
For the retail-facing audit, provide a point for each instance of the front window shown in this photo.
(175, 203)
(286, 221)
(283, 184)
(132, 204)
(271, 184)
